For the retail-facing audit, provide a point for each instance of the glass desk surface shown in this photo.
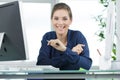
(49, 69)
(48, 72)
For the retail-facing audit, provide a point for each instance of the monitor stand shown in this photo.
(1, 38)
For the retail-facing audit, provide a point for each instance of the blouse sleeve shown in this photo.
(78, 61)
(44, 53)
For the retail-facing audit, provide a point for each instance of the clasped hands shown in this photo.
(57, 44)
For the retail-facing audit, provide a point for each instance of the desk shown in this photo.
(36, 74)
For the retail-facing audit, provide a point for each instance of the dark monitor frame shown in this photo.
(12, 33)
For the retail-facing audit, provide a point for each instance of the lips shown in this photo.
(60, 27)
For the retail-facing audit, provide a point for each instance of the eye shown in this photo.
(55, 18)
(65, 18)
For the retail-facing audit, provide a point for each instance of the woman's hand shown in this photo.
(57, 44)
(78, 48)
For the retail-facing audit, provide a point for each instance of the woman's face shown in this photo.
(61, 21)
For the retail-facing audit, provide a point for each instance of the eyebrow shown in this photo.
(61, 17)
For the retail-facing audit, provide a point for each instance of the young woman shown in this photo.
(64, 48)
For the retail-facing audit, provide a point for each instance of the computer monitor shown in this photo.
(13, 44)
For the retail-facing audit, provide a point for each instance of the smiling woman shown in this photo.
(70, 54)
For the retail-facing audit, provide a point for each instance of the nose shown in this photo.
(60, 21)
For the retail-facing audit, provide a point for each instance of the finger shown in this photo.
(48, 42)
(81, 45)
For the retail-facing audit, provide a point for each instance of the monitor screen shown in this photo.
(12, 33)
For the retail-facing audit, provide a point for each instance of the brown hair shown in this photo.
(62, 6)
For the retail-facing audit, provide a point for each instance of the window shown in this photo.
(37, 22)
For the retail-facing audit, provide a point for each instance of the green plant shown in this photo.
(102, 26)
(114, 51)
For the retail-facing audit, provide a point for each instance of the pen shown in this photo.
(55, 43)
(98, 52)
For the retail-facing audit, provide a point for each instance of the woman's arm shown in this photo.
(78, 60)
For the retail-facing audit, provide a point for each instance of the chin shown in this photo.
(61, 33)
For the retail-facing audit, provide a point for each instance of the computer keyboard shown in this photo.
(39, 68)
(30, 68)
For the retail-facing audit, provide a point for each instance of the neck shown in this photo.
(62, 38)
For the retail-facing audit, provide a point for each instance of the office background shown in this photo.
(36, 18)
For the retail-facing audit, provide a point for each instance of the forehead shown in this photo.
(61, 13)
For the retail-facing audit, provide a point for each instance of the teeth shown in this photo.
(60, 27)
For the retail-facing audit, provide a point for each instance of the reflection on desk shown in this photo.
(49, 72)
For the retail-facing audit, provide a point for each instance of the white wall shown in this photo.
(118, 28)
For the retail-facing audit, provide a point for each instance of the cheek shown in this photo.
(53, 22)
(69, 23)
